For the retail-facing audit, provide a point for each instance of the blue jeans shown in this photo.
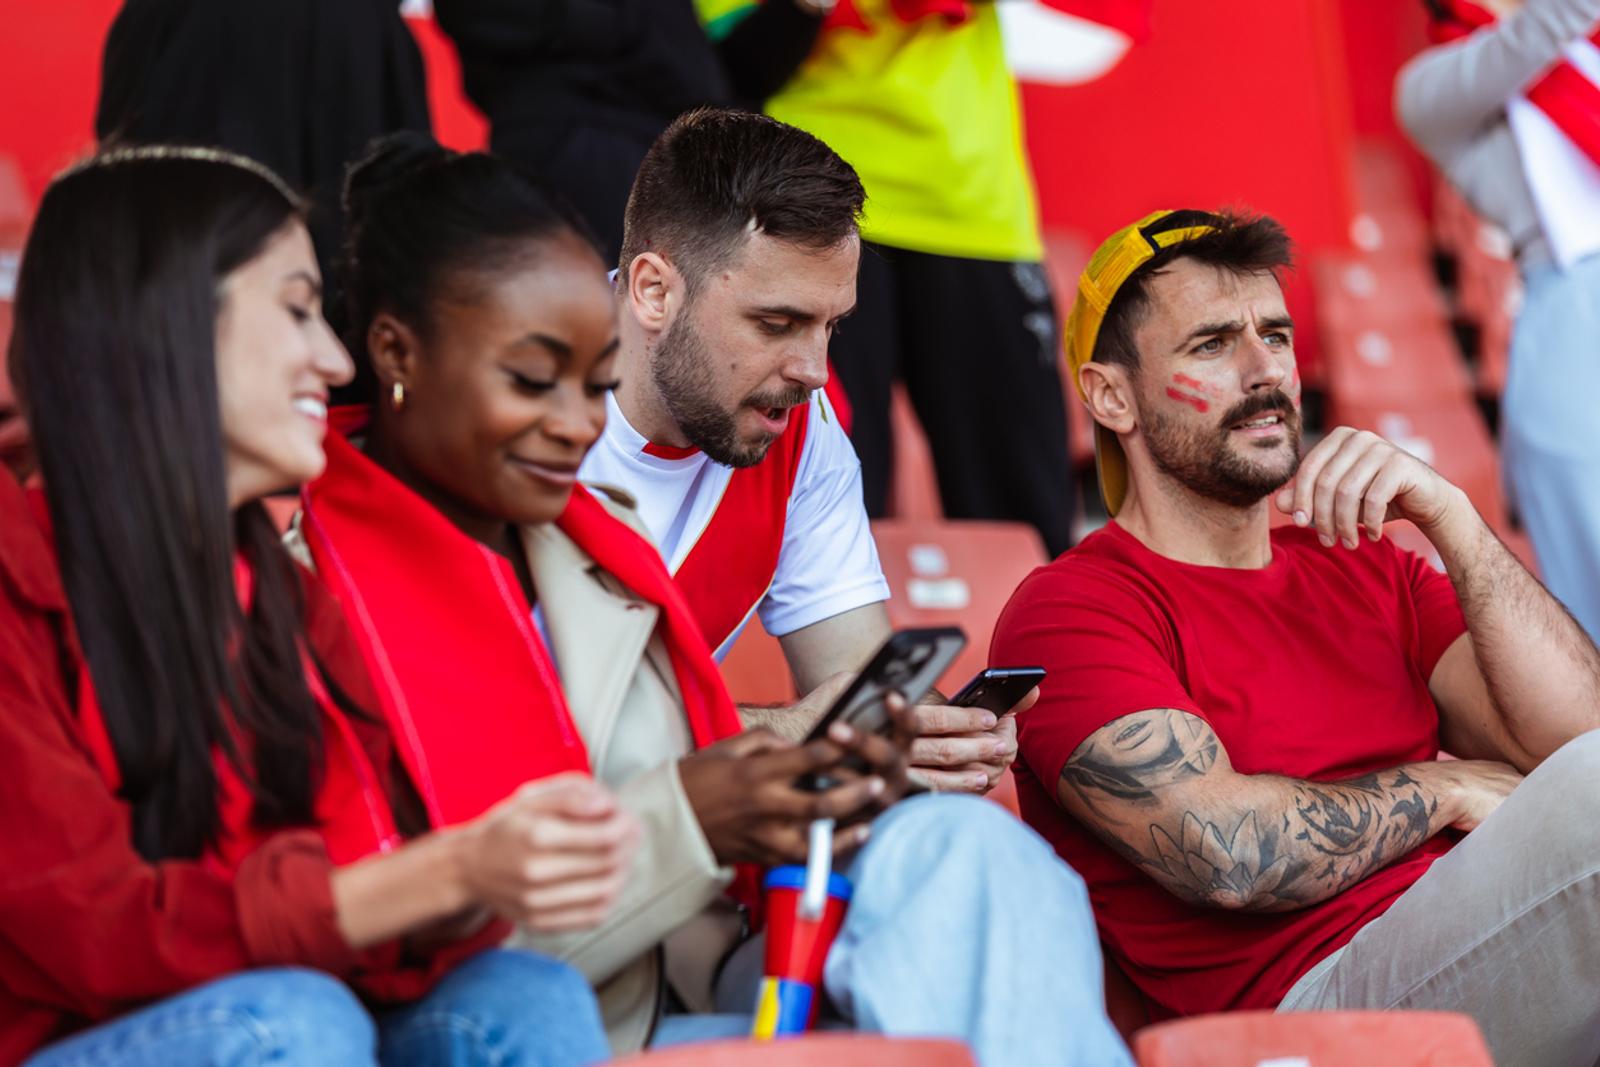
(963, 924)
(502, 1007)
(1550, 437)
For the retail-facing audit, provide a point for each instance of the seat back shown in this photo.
(955, 573)
(812, 1050)
(1314, 1039)
(755, 669)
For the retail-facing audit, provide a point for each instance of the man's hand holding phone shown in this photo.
(965, 744)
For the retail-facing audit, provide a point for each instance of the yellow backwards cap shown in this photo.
(1112, 264)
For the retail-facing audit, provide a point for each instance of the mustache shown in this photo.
(789, 398)
(1262, 404)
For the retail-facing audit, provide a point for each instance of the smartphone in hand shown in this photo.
(909, 663)
(998, 689)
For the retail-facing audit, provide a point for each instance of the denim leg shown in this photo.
(965, 924)
(283, 1016)
(501, 1008)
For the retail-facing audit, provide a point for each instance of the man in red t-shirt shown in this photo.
(1237, 744)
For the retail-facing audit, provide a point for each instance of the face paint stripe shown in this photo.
(1193, 401)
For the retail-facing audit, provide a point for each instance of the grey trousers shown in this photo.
(1505, 928)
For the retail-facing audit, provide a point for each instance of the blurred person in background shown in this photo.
(204, 830)
(580, 88)
(301, 86)
(1507, 106)
(918, 97)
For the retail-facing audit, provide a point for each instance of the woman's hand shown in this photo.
(553, 856)
(745, 790)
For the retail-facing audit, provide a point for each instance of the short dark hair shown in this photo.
(418, 215)
(1240, 243)
(715, 174)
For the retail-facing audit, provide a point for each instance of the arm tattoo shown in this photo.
(1140, 753)
(1247, 842)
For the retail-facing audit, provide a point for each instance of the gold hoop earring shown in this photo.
(397, 396)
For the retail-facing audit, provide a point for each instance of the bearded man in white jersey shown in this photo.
(739, 260)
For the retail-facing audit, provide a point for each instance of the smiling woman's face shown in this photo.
(276, 361)
(506, 394)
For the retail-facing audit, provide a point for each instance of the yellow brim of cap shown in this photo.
(1111, 464)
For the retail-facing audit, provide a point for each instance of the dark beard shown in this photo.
(681, 371)
(1201, 461)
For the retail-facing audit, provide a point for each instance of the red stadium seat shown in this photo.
(1383, 183)
(1453, 218)
(812, 1050)
(755, 669)
(1315, 1039)
(955, 573)
(1489, 296)
(1397, 363)
(1356, 291)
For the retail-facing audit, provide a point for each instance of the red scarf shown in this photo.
(1569, 99)
(464, 678)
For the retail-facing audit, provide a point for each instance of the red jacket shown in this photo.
(89, 928)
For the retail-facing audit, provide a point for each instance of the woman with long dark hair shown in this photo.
(195, 808)
(1507, 106)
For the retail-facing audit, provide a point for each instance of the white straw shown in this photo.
(819, 866)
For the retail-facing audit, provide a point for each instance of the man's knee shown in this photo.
(305, 1016)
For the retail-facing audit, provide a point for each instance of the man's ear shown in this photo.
(654, 291)
(1108, 392)
(394, 348)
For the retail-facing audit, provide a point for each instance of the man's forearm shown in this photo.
(1220, 839)
(792, 722)
(1542, 670)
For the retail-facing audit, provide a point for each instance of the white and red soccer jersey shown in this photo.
(787, 539)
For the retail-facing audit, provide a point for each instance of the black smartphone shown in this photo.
(998, 689)
(909, 663)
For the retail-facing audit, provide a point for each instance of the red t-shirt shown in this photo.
(1314, 667)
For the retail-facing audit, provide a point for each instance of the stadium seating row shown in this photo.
(1244, 1039)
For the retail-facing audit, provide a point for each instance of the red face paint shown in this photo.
(1193, 383)
(1193, 401)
